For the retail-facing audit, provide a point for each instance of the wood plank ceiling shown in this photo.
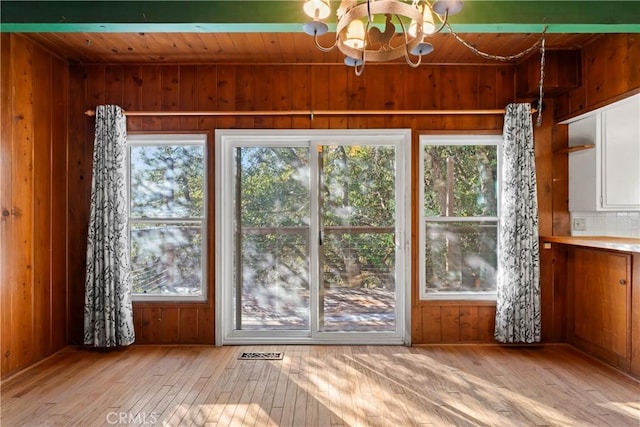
(270, 31)
(269, 47)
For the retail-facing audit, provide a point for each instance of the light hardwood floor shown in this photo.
(322, 386)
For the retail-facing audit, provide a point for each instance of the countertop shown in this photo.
(600, 242)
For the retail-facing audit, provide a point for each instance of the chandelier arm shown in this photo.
(322, 48)
(411, 63)
(406, 47)
(360, 70)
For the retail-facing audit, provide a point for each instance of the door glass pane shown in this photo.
(271, 285)
(357, 289)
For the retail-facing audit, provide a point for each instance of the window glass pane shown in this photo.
(460, 256)
(460, 180)
(166, 259)
(167, 181)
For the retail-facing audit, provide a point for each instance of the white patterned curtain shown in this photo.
(518, 287)
(108, 314)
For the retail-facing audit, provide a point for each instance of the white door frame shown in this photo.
(225, 143)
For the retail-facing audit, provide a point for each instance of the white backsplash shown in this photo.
(619, 224)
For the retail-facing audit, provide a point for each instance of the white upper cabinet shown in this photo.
(621, 155)
(606, 177)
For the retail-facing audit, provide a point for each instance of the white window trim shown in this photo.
(434, 139)
(172, 139)
(226, 140)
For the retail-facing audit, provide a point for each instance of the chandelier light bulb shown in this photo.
(317, 9)
(428, 26)
(354, 36)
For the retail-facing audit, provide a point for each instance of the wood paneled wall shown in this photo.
(259, 87)
(33, 221)
(46, 167)
(610, 70)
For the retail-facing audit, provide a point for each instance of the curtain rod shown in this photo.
(310, 113)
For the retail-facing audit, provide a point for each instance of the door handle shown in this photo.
(622, 282)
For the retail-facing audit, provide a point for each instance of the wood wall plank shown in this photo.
(337, 93)
(281, 94)
(225, 94)
(374, 96)
(468, 323)
(59, 197)
(151, 99)
(320, 95)
(450, 323)
(431, 324)
(617, 53)
(132, 96)
(170, 96)
(33, 289)
(79, 189)
(170, 325)
(245, 92)
(42, 196)
(6, 192)
(189, 93)
(22, 202)
(189, 325)
(301, 95)
(543, 137)
(264, 98)
(114, 84)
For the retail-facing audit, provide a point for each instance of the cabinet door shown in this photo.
(621, 155)
(601, 296)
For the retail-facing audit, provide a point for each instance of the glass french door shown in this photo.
(312, 238)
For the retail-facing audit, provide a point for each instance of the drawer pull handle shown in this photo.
(622, 281)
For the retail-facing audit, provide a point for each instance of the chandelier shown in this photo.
(361, 41)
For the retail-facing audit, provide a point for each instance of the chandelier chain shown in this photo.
(541, 83)
(486, 55)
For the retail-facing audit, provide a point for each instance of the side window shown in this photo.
(460, 216)
(167, 210)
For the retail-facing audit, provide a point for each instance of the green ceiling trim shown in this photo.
(296, 28)
(482, 16)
